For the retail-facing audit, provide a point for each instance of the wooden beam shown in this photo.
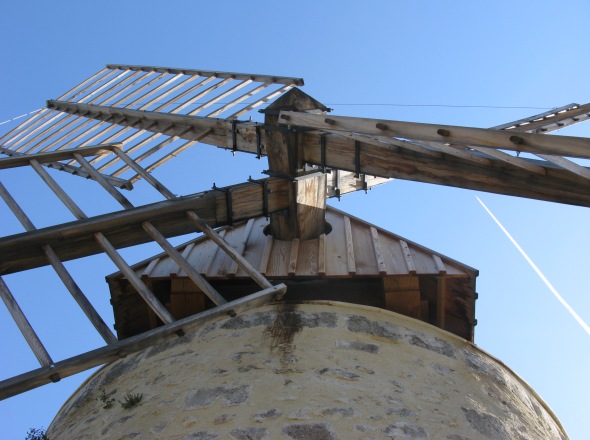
(121, 183)
(76, 239)
(24, 326)
(549, 121)
(216, 74)
(55, 156)
(307, 197)
(408, 257)
(557, 185)
(378, 251)
(532, 143)
(229, 250)
(36, 378)
(266, 254)
(350, 259)
(134, 279)
(241, 246)
(201, 282)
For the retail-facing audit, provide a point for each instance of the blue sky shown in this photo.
(457, 53)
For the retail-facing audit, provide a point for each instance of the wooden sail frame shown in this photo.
(51, 371)
(138, 112)
(142, 89)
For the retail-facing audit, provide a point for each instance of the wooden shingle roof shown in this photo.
(352, 247)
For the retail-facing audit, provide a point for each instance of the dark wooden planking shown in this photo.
(558, 185)
(124, 228)
(36, 378)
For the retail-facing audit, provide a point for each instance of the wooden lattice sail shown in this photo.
(125, 121)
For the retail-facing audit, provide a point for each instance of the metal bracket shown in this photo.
(258, 142)
(228, 202)
(264, 184)
(357, 159)
(337, 183)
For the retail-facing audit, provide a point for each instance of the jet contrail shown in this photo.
(536, 269)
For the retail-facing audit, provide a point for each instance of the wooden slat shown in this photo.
(241, 246)
(41, 114)
(532, 143)
(266, 254)
(143, 173)
(219, 98)
(36, 378)
(149, 269)
(440, 266)
(408, 257)
(292, 266)
(207, 267)
(567, 165)
(134, 280)
(54, 156)
(378, 252)
(185, 254)
(229, 250)
(549, 121)
(124, 184)
(260, 101)
(205, 287)
(350, 259)
(24, 326)
(155, 122)
(79, 297)
(103, 182)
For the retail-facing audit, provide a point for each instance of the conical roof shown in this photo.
(353, 261)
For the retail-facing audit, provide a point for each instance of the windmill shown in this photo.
(125, 121)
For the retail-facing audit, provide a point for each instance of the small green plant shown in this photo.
(107, 402)
(131, 400)
(36, 434)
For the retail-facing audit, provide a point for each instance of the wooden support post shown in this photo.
(233, 254)
(36, 378)
(24, 326)
(103, 181)
(307, 197)
(79, 296)
(143, 173)
(55, 262)
(134, 280)
(184, 264)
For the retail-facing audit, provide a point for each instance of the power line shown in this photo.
(21, 116)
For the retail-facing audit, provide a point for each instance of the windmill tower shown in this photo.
(291, 319)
